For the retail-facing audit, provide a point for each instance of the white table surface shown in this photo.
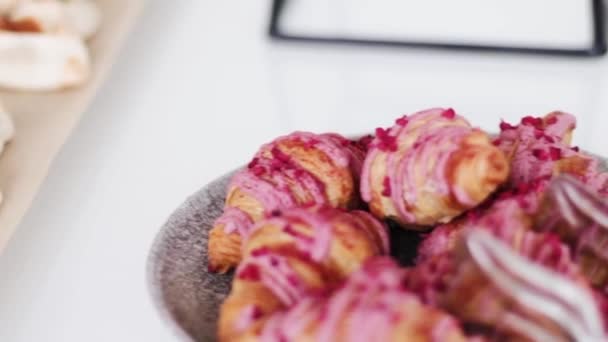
(197, 88)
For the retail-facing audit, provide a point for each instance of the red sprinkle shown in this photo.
(538, 134)
(250, 272)
(365, 141)
(279, 155)
(293, 280)
(449, 113)
(549, 139)
(532, 121)
(540, 154)
(260, 251)
(552, 120)
(386, 141)
(555, 153)
(496, 142)
(386, 187)
(402, 121)
(256, 313)
(274, 262)
(258, 170)
(253, 162)
(505, 126)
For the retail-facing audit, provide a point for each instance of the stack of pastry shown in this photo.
(43, 43)
(516, 249)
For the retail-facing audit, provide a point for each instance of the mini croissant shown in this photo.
(494, 286)
(580, 216)
(372, 305)
(291, 255)
(539, 148)
(299, 169)
(429, 168)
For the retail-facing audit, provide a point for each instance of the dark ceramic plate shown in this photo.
(186, 294)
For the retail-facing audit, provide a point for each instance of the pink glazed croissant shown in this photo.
(429, 168)
(372, 305)
(291, 255)
(299, 169)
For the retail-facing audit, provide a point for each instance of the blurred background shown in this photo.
(199, 85)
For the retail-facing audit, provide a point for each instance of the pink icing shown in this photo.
(371, 301)
(559, 124)
(321, 220)
(275, 273)
(439, 133)
(235, 220)
(272, 177)
(247, 317)
(537, 148)
(272, 268)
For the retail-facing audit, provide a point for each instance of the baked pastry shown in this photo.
(372, 305)
(80, 18)
(539, 148)
(297, 252)
(429, 168)
(506, 216)
(493, 286)
(42, 43)
(580, 216)
(299, 169)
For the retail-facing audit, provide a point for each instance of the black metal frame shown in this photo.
(598, 47)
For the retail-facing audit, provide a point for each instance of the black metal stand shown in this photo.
(598, 47)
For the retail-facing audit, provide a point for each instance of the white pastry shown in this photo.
(82, 17)
(78, 17)
(38, 16)
(32, 61)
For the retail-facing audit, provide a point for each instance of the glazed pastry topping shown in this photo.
(235, 220)
(423, 159)
(279, 181)
(371, 306)
(317, 243)
(539, 147)
(275, 272)
(296, 253)
(580, 216)
(496, 286)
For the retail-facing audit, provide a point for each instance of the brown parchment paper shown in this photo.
(43, 121)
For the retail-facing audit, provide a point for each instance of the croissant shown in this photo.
(295, 170)
(507, 223)
(292, 254)
(538, 148)
(507, 216)
(371, 305)
(429, 168)
(580, 216)
(494, 286)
